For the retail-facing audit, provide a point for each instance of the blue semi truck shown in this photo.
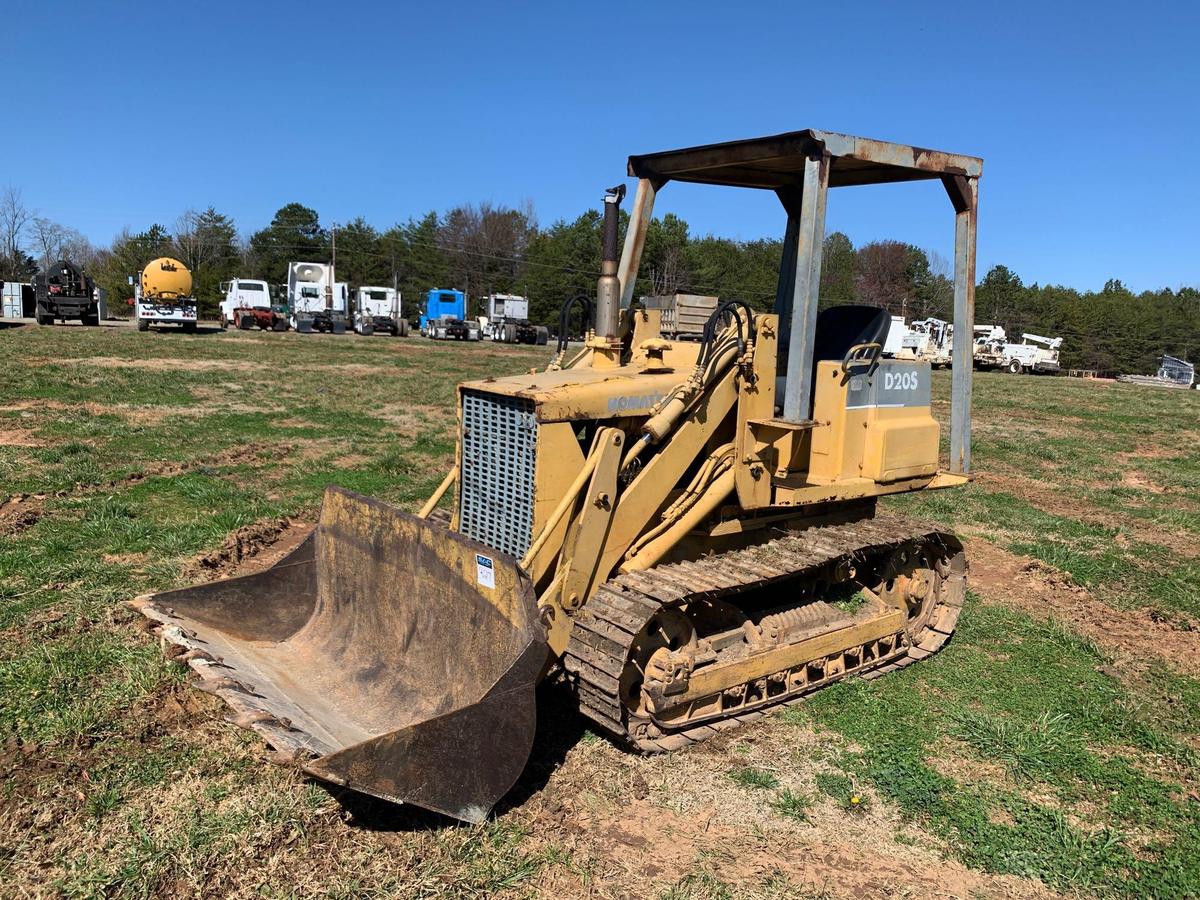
(445, 317)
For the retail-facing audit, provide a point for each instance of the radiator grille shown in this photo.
(499, 444)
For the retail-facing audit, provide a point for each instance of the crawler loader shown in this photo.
(685, 532)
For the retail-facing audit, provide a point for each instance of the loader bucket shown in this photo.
(385, 654)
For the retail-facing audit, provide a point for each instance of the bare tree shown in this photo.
(667, 278)
(54, 242)
(48, 238)
(14, 217)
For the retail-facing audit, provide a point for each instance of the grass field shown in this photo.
(1051, 749)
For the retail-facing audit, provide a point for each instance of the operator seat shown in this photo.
(838, 329)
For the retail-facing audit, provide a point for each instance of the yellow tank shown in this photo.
(167, 279)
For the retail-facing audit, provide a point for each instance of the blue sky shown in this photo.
(1087, 115)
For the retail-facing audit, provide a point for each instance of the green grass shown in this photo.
(749, 776)
(1077, 805)
(1017, 748)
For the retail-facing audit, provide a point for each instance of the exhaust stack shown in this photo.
(608, 288)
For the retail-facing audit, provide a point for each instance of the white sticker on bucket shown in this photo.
(485, 572)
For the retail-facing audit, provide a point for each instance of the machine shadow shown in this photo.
(560, 727)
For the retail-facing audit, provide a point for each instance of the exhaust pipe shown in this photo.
(608, 288)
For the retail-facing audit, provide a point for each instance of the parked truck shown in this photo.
(929, 340)
(445, 317)
(1034, 354)
(315, 301)
(162, 295)
(377, 311)
(683, 315)
(893, 342)
(247, 305)
(64, 291)
(508, 321)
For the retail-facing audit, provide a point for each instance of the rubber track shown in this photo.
(609, 622)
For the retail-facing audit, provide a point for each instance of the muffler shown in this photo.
(385, 654)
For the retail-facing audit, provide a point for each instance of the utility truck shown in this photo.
(162, 295)
(508, 321)
(65, 291)
(315, 301)
(445, 317)
(1034, 354)
(893, 343)
(929, 340)
(247, 305)
(988, 346)
(377, 311)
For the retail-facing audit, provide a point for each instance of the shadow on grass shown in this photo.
(559, 728)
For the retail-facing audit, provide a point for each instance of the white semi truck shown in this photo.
(315, 301)
(377, 311)
(508, 321)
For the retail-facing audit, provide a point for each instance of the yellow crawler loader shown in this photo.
(685, 531)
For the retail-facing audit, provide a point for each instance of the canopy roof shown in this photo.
(778, 161)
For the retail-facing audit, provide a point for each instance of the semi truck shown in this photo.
(508, 321)
(162, 295)
(445, 317)
(64, 291)
(315, 301)
(377, 310)
(247, 305)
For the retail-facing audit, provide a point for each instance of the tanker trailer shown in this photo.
(162, 295)
(64, 291)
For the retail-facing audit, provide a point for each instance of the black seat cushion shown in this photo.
(841, 327)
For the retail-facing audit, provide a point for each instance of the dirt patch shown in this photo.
(18, 437)
(20, 512)
(164, 363)
(414, 418)
(642, 843)
(1060, 503)
(1033, 587)
(954, 759)
(1141, 482)
(252, 548)
(253, 452)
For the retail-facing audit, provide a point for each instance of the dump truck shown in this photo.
(162, 295)
(64, 291)
(685, 533)
(683, 315)
(377, 311)
(247, 304)
(315, 300)
(507, 321)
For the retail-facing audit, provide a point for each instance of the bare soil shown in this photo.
(20, 512)
(1032, 586)
(250, 549)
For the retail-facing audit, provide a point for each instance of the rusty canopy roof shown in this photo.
(778, 161)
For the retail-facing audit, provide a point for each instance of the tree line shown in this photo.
(484, 248)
